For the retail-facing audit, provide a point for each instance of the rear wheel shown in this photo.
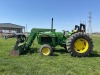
(79, 44)
(46, 50)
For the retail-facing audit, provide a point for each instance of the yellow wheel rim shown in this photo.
(45, 51)
(81, 45)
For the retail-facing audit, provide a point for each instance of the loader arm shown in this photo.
(33, 34)
(24, 45)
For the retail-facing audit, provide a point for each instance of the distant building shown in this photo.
(11, 28)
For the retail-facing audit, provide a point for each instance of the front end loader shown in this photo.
(77, 42)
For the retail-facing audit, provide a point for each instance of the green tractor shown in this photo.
(77, 42)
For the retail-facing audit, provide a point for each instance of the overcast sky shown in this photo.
(38, 13)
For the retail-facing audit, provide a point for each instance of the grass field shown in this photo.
(61, 63)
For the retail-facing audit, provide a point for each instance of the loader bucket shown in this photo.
(18, 49)
(14, 51)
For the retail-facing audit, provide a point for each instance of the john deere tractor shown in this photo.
(77, 42)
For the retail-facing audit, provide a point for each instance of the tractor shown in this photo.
(77, 42)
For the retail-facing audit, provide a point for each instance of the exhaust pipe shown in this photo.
(52, 25)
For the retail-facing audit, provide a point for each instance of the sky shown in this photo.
(38, 13)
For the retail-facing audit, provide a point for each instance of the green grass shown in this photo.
(61, 63)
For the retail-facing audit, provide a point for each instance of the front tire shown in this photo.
(79, 44)
(46, 50)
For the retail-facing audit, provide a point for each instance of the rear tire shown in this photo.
(46, 50)
(79, 44)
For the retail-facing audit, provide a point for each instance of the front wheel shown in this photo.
(46, 50)
(79, 44)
